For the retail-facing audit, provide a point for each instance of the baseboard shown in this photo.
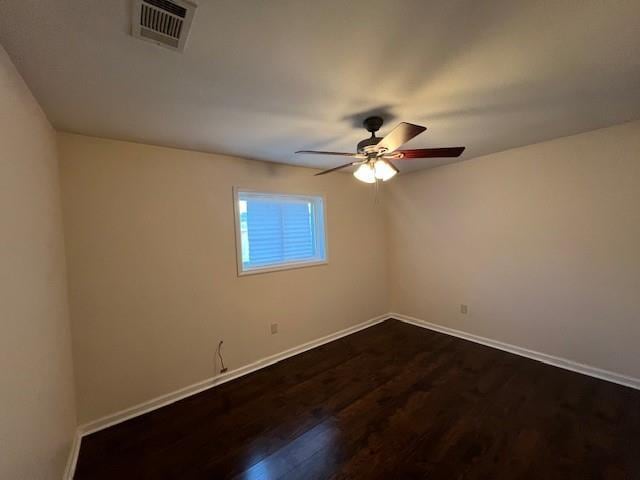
(70, 469)
(525, 352)
(167, 399)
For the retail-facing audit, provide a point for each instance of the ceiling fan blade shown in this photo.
(399, 136)
(318, 152)
(429, 153)
(337, 168)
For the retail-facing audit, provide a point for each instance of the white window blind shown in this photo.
(279, 230)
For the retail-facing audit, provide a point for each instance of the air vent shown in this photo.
(163, 22)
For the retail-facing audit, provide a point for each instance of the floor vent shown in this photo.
(163, 22)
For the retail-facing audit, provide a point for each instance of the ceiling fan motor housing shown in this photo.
(372, 124)
(368, 145)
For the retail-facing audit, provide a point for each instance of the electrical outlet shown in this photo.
(274, 328)
(463, 308)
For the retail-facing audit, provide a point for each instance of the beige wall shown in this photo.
(37, 413)
(152, 268)
(542, 243)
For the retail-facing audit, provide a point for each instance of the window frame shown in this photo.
(281, 266)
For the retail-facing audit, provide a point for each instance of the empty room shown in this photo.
(287, 239)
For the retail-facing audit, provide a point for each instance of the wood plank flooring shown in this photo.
(393, 401)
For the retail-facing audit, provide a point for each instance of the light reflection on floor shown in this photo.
(318, 442)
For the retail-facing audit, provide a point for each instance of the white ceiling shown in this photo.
(262, 79)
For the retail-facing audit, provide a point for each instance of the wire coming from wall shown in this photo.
(223, 369)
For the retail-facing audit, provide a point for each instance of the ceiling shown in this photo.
(261, 79)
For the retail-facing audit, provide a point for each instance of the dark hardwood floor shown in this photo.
(393, 401)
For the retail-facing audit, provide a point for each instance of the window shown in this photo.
(277, 231)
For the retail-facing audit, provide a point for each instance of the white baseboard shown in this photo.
(525, 352)
(163, 400)
(72, 461)
(168, 398)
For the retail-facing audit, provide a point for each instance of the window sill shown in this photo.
(279, 268)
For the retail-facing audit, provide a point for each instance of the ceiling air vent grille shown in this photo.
(164, 22)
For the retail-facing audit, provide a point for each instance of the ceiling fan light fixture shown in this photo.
(373, 153)
(383, 170)
(365, 173)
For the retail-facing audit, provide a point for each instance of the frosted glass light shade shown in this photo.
(383, 170)
(365, 173)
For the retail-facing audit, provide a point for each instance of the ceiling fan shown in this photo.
(374, 154)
